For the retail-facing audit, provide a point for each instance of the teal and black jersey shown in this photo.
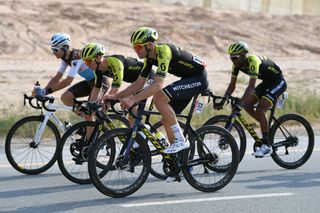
(174, 60)
(260, 67)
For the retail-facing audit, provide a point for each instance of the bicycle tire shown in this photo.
(19, 141)
(73, 154)
(105, 179)
(295, 124)
(156, 158)
(237, 132)
(199, 175)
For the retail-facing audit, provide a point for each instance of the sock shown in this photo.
(265, 138)
(178, 134)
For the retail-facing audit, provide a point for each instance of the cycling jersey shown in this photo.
(76, 66)
(260, 67)
(121, 69)
(174, 60)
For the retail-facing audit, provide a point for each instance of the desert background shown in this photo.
(291, 39)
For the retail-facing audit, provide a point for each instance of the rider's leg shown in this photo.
(251, 101)
(161, 101)
(67, 98)
(262, 107)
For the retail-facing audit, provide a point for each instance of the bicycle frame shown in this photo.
(50, 115)
(247, 126)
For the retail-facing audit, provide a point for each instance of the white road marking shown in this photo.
(169, 202)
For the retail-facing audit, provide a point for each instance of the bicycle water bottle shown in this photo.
(281, 99)
(37, 89)
(161, 139)
(199, 105)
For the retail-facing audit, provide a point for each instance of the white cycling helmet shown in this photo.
(59, 40)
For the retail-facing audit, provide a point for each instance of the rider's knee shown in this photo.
(66, 97)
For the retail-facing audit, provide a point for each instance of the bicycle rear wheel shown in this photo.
(119, 178)
(292, 139)
(156, 158)
(200, 171)
(73, 152)
(24, 154)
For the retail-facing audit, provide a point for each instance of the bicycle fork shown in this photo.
(39, 132)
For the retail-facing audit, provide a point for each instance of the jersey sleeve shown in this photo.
(164, 56)
(63, 67)
(74, 67)
(146, 69)
(235, 71)
(254, 64)
(117, 69)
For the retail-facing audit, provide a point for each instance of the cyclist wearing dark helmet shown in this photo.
(264, 95)
(173, 98)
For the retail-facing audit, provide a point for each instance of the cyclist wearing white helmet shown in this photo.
(264, 95)
(60, 47)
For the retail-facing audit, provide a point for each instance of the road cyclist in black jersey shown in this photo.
(118, 68)
(61, 48)
(173, 98)
(264, 95)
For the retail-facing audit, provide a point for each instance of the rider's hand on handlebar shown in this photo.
(126, 103)
(219, 105)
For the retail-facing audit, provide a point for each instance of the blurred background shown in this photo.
(287, 31)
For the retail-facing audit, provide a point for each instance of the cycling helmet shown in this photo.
(91, 50)
(59, 40)
(238, 47)
(144, 35)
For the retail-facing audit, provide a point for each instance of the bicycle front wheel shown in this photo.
(74, 149)
(292, 139)
(127, 172)
(237, 131)
(200, 170)
(27, 155)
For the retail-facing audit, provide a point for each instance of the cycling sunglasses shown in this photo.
(234, 57)
(138, 47)
(88, 62)
(54, 49)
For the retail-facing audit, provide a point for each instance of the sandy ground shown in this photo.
(26, 27)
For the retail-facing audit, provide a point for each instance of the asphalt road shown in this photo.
(260, 185)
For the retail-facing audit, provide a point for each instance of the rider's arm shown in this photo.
(55, 79)
(249, 90)
(232, 86)
(254, 64)
(94, 94)
(155, 87)
(132, 88)
(56, 84)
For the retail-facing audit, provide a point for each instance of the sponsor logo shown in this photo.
(187, 86)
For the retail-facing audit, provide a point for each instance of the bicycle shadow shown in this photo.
(27, 177)
(105, 202)
(285, 180)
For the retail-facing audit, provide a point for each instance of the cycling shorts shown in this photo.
(182, 91)
(271, 91)
(81, 89)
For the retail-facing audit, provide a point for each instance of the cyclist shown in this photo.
(173, 98)
(119, 68)
(264, 94)
(60, 47)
